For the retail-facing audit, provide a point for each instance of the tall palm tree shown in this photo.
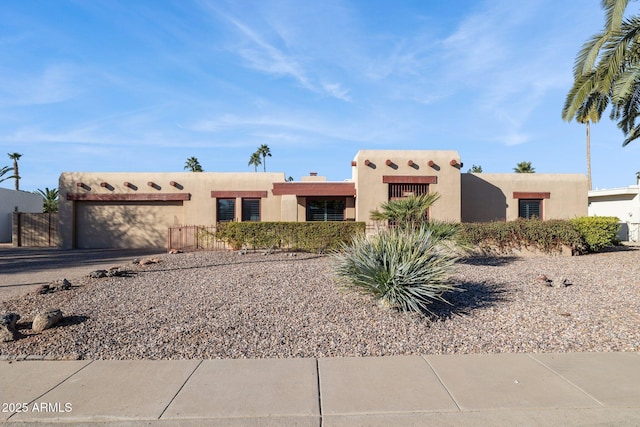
(15, 157)
(524, 167)
(264, 151)
(3, 171)
(255, 161)
(607, 71)
(193, 164)
(50, 199)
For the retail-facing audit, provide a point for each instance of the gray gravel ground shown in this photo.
(225, 305)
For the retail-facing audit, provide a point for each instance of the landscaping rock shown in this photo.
(175, 251)
(98, 274)
(8, 330)
(562, 283)
(62, 285)
(46, 319)
(148, 261)
(44, 289)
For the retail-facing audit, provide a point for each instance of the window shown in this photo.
(226, 210)
(251, 209)
(530, 208)
(325, 209)
(398, 191)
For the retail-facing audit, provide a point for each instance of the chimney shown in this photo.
(313, 173)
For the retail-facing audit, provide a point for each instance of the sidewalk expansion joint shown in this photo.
(180, 389)
(577, 387)
(442, 383)
(319, 392)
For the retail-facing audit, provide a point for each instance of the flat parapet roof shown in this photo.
(316, 189)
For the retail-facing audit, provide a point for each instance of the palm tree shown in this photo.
(607, 71)
(3, 171)
(193, 164)
(264, 151)
(475, 169)
(255, 161)
(15, 157)
(406, 212)
(50, 199)
(524, 167)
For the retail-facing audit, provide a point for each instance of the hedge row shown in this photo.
(585, 234)
(304, 236)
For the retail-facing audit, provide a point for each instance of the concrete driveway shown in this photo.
(24, 269)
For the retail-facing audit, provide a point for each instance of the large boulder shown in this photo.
(46, 319)
(8, 330)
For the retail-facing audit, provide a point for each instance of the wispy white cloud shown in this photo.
(55, 83)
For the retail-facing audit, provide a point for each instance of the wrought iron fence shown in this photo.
(189, 238)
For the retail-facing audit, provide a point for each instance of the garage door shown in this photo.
(125, 224)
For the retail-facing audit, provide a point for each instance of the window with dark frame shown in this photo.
(325, 209)
(225, 210)
(530, 208)
(398, 191)
(250, 209)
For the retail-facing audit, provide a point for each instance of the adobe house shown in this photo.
(134, 210)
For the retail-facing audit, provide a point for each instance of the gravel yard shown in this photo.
(225, 305)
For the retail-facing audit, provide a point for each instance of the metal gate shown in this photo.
(35, 229)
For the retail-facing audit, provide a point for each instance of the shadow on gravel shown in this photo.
(66, 321)
(223, 264)
(488, 260)
(470, 296)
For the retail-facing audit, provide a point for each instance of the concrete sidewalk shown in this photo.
(574, 389)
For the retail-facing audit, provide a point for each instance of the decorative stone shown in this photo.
(148, 261)
(563, 283)
(544, 280)
(98, 274)
(63, 285)
(175, 251)
(44, 289)
(8, 330)
(46, 319)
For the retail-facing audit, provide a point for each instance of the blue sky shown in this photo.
(106, 85)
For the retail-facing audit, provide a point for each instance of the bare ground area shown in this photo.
(225, 305)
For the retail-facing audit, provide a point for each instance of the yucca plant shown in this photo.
(401, 268)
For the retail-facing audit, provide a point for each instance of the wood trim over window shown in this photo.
(531, 195)
(141, 197)
(399, 179)
(231, 194)
(320, 189)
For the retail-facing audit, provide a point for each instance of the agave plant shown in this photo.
(401, 268)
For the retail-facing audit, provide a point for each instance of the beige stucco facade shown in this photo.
(135, 210)
(495, 197)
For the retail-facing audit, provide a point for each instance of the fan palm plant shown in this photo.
(407, 212)
(3, 171)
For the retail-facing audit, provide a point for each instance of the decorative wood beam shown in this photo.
(138, 197)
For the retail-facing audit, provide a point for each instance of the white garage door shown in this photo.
(125, 224)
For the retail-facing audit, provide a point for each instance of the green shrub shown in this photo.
(401, 268)
(598, 232)
(304, 236)
(548, 236)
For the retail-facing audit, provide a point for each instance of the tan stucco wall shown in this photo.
(489, 197)
(199, 210)
(371, 191)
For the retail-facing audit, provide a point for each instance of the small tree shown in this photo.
(524, 167)
(475, 169)
(193, 164)
(50, 199)
(15, 157)
(255, 161)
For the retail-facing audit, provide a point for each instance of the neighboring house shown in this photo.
(623, 203)
(103, 210)
(15, 201)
